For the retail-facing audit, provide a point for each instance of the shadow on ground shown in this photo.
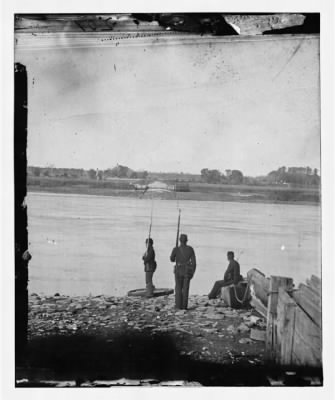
(131, 355)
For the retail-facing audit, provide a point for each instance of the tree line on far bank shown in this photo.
(300, 176)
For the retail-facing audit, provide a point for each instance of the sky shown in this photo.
(247, 105)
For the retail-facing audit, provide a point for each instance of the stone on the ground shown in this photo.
(257, 334)
(245, 341)
(243, 328)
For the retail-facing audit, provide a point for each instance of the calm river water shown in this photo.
(90, 244)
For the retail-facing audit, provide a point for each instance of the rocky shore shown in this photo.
(104, 341)
(208, 330)
(100, 315)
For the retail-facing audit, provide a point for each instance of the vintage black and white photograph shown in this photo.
(168, 199)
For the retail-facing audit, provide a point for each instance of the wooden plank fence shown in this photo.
(271, 342)
(259, 288)
(286, 310)
(294, 318)
(306, 349)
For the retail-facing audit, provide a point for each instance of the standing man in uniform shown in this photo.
(150, 266)
(231, 276)
(184, 257)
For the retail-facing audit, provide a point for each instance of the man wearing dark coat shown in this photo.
(150, 266)
(231, 277)
(185, 260)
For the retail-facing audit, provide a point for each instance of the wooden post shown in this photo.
(271, 328)
(285, 327)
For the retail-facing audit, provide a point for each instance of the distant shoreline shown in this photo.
(241, 196)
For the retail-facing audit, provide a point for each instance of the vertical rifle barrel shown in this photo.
(178, 227)
(150, 224)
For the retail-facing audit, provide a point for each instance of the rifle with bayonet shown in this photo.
(178, 227)
(149, 235)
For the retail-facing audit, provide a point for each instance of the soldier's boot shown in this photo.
(150, 290)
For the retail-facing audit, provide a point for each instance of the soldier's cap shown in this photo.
(149, 240)
(183, 237)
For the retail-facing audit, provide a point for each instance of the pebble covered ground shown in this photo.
(208, 330)
(104, 341)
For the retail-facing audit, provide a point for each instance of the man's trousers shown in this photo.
(216, 290)
(182, 278)
(148, 283)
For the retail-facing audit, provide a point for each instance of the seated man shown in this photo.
(231, 276)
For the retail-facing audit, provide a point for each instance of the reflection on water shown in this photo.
(90, 244)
